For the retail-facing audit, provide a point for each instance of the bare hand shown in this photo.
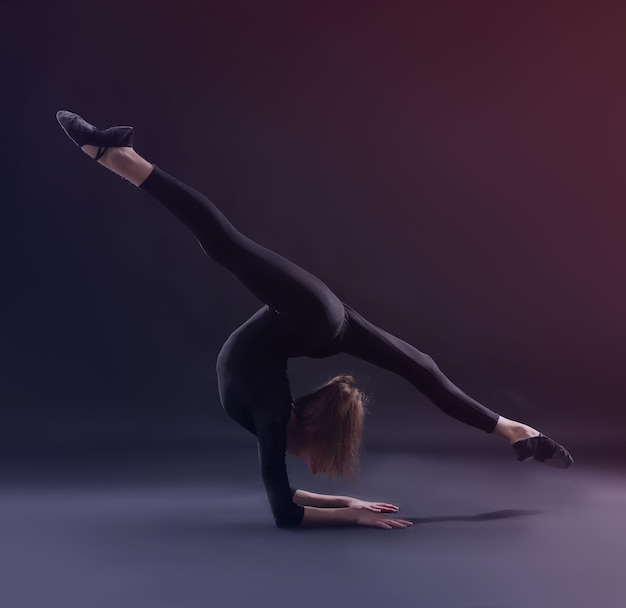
(355, 503)
(365, 517)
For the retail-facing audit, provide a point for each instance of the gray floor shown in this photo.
(190, 527)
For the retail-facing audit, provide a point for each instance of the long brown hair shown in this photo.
(333, 418)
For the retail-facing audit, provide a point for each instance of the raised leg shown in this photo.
(307, 308)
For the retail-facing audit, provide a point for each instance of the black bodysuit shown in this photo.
(301, 317)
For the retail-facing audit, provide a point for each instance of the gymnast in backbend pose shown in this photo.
(301, 316)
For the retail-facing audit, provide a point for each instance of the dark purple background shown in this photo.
(451, 170)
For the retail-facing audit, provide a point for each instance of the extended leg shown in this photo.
(366, 341)
(304, 302)
(371, 343)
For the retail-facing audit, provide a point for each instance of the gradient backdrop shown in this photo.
(451, 170)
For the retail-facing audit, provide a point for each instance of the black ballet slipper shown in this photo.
(82, 133)
(544, 450)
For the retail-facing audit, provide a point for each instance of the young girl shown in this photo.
(301, 316)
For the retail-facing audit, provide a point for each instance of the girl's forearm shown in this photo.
(314, 516)
(310, 499)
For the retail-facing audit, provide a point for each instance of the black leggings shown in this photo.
(307, 307)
